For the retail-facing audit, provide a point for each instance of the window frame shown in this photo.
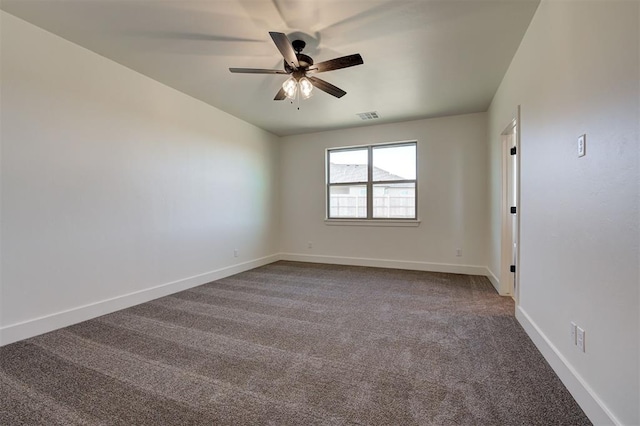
(369, 184)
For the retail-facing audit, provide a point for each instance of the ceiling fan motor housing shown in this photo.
(304, 60)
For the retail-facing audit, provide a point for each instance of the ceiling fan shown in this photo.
(298, 65)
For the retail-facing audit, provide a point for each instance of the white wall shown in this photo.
(113, 184)
(451, 200)
(577, 71)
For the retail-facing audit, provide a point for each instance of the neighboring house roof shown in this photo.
(343, 173)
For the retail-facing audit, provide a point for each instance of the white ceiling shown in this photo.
(424, 58)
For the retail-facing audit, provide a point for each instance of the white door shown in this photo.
(511, 210)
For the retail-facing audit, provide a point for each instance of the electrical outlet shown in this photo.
(236, 252)
(573, 333)
(582, 145)
(580, 339)
(458, 252)
(310, 244)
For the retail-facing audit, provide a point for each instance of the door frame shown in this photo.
(510, 133)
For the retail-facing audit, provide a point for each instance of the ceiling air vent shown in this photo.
(368, 115)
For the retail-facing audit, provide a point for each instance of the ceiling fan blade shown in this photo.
(280, 95)
(256, 71)
(337, 63)
(327, 87)
(284, 46)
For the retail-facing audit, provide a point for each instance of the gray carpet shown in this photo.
(293, 343)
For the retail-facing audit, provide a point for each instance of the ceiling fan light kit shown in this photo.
(306, 88)
(298, 65)
(290, 87)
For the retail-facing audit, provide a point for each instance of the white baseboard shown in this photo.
(23, 330)
(494, 281)
(590, 403)
(386, 263)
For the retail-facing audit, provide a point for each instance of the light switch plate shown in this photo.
(580, 339)
(582, 145)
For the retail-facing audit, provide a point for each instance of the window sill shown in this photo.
(373, 222)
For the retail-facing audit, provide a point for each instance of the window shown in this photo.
(372, 182)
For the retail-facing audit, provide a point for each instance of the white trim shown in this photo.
(23, 330)
(506, 237)
(388, 263)
(345, 147)
(505, 242)
(588, 400)
(494, 281)
(371, 222)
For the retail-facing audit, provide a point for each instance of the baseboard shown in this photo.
(494, 280)
(387, 263)
(19, 331)
(590, 403)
